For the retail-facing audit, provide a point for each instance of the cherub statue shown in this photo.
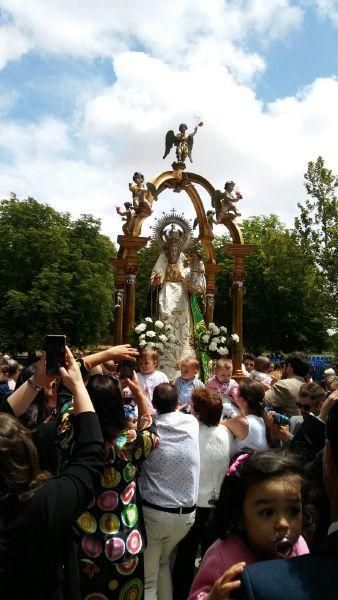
(183, 142)
(139, 189)
(210, 220)
(223, 202)
(127, 216)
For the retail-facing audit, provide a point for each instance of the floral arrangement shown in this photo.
(216, 341)
(155, 334)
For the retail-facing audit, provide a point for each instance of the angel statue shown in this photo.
(139, 190)
(127, 216)
(209, 219)
(182, 140)
(223, 202)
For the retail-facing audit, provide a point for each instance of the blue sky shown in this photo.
(87, 95)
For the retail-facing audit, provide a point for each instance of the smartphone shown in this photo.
(280, 419)
(55, 353)
(126, 369)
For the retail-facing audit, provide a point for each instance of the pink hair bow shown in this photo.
(234, 466)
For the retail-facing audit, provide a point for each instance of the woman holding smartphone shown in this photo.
(37, 511)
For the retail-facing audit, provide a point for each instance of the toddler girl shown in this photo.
(225, 387)
(258, 516)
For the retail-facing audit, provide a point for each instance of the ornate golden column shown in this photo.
(119, 300)
(126, 264)
(238, 253)
(129, 313)
(211, 271)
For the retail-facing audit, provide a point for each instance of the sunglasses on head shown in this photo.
(303, 406)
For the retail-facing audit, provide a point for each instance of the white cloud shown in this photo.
(195, 61)
(120, 129)
(13, 44)
(178, 32)
(327, 8)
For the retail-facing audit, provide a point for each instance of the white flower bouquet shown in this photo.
(154, 334)
(216, 341)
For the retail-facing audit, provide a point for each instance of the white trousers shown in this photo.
(164, 531)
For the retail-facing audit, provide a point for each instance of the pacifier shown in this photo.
(283, 546)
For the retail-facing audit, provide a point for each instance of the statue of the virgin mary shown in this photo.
(171, 278)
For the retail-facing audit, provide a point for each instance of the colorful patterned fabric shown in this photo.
(111, 531)
(112, 539)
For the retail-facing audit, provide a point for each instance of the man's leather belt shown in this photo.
(180, 510)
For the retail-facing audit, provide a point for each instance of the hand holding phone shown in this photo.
(55, 353)
(280, 419)
(126, 369)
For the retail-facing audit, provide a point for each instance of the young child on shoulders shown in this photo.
(225, 387)
(187, 382)
(148, 375)
(259, 515)
(261, 371)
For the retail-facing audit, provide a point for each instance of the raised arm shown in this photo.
(72, 379)
(139, 396)
(23, 397)
(116, 353)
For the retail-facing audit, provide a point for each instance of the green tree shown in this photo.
(55, 276)
(283, 307)
(317, 225)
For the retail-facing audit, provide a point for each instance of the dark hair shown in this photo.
(165, 398)
(299, 363)
(138, 175)
(107, 400)
(13, 366)
(19, 462)
(4, 368)
(207, 406)
(253, 392)
(259, 467)
(313, 391)
(249, 357)
(332, 431)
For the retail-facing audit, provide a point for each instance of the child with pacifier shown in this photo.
(259, 516)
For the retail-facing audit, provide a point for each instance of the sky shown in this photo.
(89, 89)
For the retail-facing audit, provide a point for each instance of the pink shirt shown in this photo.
(222, 555)
(226, 389)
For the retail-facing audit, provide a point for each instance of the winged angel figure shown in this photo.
(224, 202)
(182, 140)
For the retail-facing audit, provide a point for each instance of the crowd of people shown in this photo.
(128, 486)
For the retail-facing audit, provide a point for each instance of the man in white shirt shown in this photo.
(169, 488)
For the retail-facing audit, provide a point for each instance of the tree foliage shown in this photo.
(317, 225)
(283, 307)
(55, 276)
